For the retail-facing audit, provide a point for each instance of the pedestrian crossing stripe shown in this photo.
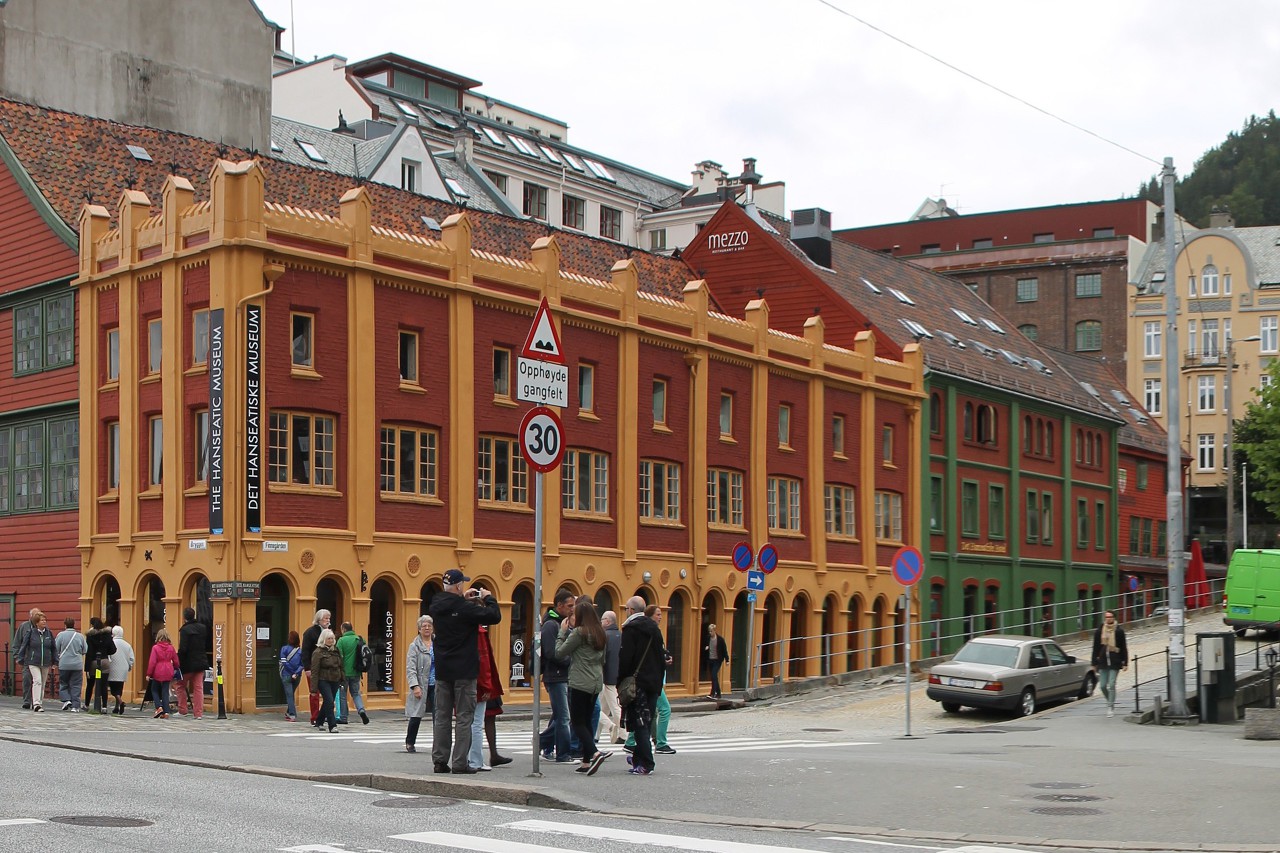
(521, 743)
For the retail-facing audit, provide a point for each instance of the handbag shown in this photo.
(627, 688)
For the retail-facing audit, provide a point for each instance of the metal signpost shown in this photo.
(543, 379)
(908, 567)
(743, 559)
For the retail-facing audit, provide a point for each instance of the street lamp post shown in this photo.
(1229, 440)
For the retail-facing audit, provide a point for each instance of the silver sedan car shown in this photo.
(1012, 673)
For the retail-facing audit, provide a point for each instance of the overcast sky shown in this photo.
(850, 119)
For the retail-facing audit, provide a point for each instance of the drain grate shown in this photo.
(1069, 798)
(821, 730)
(1066, 811)
(100, 820)
(414, 803)
(1061, 786)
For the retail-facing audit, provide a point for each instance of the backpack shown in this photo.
(364, 657)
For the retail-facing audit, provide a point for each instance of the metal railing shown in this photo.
(881, 645)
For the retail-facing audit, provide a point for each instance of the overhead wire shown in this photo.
(993, 87)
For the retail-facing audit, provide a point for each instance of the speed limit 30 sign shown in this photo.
(542, 439)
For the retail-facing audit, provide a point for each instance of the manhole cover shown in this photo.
(414, 803)
(1066, 811)
(1061, 786)
(100, 820)
(1068, 798)
(821, 730)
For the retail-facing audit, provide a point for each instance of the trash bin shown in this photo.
(1216, 676)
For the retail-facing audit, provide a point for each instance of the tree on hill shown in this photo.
(1241, 175)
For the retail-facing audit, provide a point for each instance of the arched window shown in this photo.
(1088, 336)
(1040, 445)
(1030, 330)
(1209, 280)
(987, 424)
(1028, 435)
(968, 421)
(1048, 440)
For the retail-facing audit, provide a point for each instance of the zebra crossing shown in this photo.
(520, 743)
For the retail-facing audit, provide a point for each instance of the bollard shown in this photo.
(1157, 710)
(222, 703)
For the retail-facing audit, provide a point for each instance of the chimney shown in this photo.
(1220, 217)
(464, 140)
(811, 231)
(749, 179)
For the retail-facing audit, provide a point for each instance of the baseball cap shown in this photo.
(454, 576)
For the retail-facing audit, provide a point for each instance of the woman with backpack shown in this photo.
(291, 673)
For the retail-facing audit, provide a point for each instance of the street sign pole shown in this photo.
(908, 567)
(538, 498)
(906, 657)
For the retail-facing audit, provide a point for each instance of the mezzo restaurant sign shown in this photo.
(727, 241)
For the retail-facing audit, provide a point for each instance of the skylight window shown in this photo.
(598, 169)
(1090, 389)
(1015, 360)
(574, 162)
(494, 137)
(1157, 276)
(139, 153)
(440, 121)
(276, 148)
(1040, 366)
(984, 349)
(549, 154)
(407, 109)
(964, 316)
(456, 188)
(902, 297)
(1120, 397)
(311, 151)
(916, 329)
(873, 288)
(522, 146)
(992, 326)
(431, 223)
(950, 338)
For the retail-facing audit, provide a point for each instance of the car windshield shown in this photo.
(988, 653)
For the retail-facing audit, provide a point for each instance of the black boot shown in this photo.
(491, 735)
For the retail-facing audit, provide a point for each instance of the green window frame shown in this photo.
(1046, 518)
(1082, 522)
(1088, 285)
(1028, 289)
(1134, 523)
(1033, 516)
(1100, 526)
(40, 465)
(995, 512)
(969, 508)
(44, 334)
(936, 506)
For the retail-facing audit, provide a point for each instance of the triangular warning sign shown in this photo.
(543, 343)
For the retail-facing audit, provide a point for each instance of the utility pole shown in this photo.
(1228, 440)
(1173, 476)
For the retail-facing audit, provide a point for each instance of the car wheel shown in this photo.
(1090, 684)
(1027, 704)
(951, 707)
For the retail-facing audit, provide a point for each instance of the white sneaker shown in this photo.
(1111, 712)
(66, 706)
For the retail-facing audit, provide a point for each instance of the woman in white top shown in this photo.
(118, 667)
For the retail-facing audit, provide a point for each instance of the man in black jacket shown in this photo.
(641, 656)
(310, 639)
(192, 641)
(555, 677)
(458, 617)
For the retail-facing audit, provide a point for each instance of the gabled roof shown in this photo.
(72, 159)
(1140, 430)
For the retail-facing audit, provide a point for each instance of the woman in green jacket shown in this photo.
(582, 641)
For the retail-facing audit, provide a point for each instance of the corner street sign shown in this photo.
(543, 382)
(755, 581)
(907, 565)
(742, 556)
(768, 557)
(542, 439)
(543, 343)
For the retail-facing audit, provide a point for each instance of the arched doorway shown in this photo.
(429, 591)
(770, 634)
(857, 642)
(522, 614)
(741, 641)
(828, 634)
(710, 616)
(878, 616)
(677, 616)
(273, 632)
(153, 618)
(381, 638)
(604, 600)
(106, 603)
(798, 645)
(647, 594)
(329, 597)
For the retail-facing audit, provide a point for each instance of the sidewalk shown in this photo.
(974, 777)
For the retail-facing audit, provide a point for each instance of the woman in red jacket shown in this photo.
(161, 669)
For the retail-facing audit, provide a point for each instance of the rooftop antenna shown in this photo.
(293, 35)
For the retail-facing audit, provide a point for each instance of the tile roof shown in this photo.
(73, 159)
(1140, 430)
(986, 348)
(1261, 242)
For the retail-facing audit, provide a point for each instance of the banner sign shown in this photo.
(253, 419)
(215, 421)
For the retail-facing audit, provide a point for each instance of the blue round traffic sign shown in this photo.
(1133, 583)
(768, 557)
(908, 565)
(742, 556)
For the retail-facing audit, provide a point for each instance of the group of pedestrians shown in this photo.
(334, 667)
(99, 660)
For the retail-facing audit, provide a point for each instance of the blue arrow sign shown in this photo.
(755, 580)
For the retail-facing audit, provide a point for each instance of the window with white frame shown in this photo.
(584, 483)
(841, 509)
(409, 357)
(501, 475)
(1209, 280)
(501, 372)
(156, 451)
(784, 504)
(659, 490)
(724, 497)
(200, 336)
(1151, 396)
(303, 332)
(586, 387)
(889, 516)
(301, 449)
(1267, 330)
(1206, 444)
(1209, 344)
(409, 175)
(1206, 392)
(1152, 333)
(409, 461)
(1192, 341)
